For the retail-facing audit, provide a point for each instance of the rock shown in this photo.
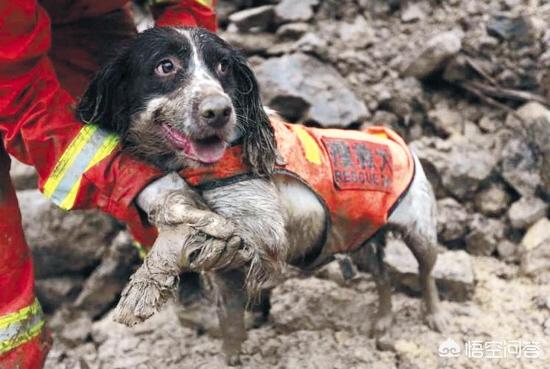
(446, 121)
(488, 124)
(359, 33)
(535, 249)
(520, 166)
(458, 164)
(506, 28)
(56, 291)
(452, 220)
(493, 200)
(295, 11)
(434, 54)
(293, 31)
(302, 88)
(73, 327)
(507, 251)
(537, 118)
(106, 282)
(257, 19)
(385, 118)
(250, 43)
(526, 211)
(412, 13)
(536, 234)
(23, 176)
(63, 242)
(454, 275)
(485, 235)
(316, 304)
(341, 270)
(453, 270)
(311, 43)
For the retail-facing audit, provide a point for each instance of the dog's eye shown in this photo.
(223, 67)
(165, 67)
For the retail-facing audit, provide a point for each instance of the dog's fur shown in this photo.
(278, 215)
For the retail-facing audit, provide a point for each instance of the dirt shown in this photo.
(455, 78)
(319, 324)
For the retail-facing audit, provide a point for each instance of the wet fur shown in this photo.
(273, 214)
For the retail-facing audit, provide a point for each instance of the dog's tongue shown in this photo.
(209, 151)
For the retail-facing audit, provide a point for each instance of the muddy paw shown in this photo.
(139, 301)
(381, 326)
(438, 321)
(233, 360)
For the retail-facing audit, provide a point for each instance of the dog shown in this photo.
(185, 100)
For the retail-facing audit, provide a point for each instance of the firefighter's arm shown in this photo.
(79, 166)
(199, 13)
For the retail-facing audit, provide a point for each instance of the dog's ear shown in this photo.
(103, 101)
(260, 147)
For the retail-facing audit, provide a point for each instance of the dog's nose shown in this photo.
(215, 110)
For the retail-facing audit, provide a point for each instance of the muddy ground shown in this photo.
(468, 84)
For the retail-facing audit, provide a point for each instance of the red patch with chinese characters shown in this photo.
(360, 165)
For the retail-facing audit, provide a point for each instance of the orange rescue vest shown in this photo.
(359, 176)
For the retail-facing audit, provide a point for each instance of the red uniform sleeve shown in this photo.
(79, 166)
(199, 13)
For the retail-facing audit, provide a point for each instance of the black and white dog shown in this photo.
(179, 98)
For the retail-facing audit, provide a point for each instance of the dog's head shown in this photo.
(178, 97)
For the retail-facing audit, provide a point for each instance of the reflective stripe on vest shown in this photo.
(88, 148)
(21, 326)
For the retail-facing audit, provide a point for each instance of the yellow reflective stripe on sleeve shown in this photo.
(106, 148)
(142, 252)
(207, 3)
(88, 148)
(21, 326)
(311, 149)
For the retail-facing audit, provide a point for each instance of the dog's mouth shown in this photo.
(206, 150)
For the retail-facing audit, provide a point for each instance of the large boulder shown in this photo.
(484, 236)
(301, 88)
(537, 118)
(453, 270)
(452, 220)
(63, 242)
(526, 157)
(535, 249)
(458, 164)
(295, 11)
(258, 18)
(433, 54)
(520, 166)
(493, 200)
(526, 211)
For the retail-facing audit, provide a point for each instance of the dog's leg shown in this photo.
(375, 263)
(415, 218)
(426, 255)
(230, 295)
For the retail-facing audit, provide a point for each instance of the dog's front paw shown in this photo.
(140, 299)
(438, 321)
